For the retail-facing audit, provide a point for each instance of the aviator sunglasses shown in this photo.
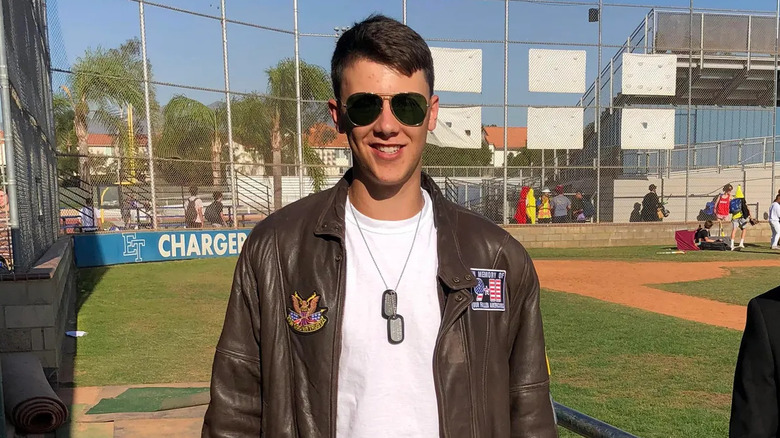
(364, 108)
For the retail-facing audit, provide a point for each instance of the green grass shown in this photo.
(151, 323)
(650, 253)
(651, 375)
(737, 288)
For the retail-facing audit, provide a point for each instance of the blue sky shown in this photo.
(186, 49)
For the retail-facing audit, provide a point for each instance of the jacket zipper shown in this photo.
(334, 384)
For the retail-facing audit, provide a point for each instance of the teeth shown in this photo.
(389, 149)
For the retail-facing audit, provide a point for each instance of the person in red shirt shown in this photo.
(722, 206)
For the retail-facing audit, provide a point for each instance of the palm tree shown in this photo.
(103, 83)
(280, 104)
(188, 126)
(65, 136)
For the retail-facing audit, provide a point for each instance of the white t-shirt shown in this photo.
(387, 390)
(88, 218)
(198, 205)
(774, 212)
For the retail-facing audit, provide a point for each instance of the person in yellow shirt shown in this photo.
(530, 206)
(740, 218)
(543, 210)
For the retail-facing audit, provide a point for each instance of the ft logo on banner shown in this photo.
(133, 246)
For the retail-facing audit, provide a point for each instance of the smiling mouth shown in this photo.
(387, 149)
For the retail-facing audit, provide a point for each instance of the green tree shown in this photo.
(65, 136)
(193, 131)
(281, 109)
(103, 84)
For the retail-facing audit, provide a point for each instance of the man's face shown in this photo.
(387, 152)
(578, 195)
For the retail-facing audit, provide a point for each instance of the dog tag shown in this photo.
(389, 303)
(395, 329)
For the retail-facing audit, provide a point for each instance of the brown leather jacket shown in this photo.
(268, 379)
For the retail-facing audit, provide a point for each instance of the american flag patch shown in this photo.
(490, 291)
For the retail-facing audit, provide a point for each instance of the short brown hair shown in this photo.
(728, 188)
(708, 224)
(385, 41)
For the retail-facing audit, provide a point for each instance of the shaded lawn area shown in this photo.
(652, 375)
(151, 322)
(650, 254)
(737, 288)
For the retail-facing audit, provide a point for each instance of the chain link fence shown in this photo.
(604, 99)
(28, 223)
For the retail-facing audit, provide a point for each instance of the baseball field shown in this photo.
(639, 337)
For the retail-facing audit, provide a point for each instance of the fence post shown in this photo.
(774, 103)
(10, 154)
(717, 155)
(233, 187)
(688, 119)
(597, 125)
(506, 109)
(149, 148)
(296, 35)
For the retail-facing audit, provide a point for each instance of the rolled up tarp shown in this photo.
(30, 403)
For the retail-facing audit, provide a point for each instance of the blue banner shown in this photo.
(155, 246)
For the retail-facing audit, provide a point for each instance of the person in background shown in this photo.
(578, 207)
(740, 219)
(650, 204)
(703, 239)
(544, 209)
(722, 206)
(90, 217)
(213, 213)
(561, 206)
(755, 408)
(193, 209)
(774, 221)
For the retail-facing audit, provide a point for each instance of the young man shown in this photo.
(740, 219)
(650, 204)
(213, 213)
(561, 206)
(578, 208)
(193, 209)
(378, 308)
(774, 222)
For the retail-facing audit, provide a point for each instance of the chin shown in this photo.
(388, 178)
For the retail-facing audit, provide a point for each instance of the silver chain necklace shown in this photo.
(395, 322)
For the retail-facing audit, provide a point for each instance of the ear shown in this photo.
(336, 115)
(434, 112)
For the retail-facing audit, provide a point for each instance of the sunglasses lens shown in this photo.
(363, 108)
(410, 108)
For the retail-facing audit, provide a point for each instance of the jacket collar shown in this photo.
(452, 270)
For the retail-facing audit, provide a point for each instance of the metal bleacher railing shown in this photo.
(128, 203)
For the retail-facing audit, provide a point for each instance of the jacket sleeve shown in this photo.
(754, 405)
(531, 407)
(235, 408)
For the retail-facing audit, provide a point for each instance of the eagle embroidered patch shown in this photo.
(305, 317)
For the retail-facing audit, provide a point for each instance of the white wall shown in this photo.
(703, 185)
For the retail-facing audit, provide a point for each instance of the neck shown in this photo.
(387, 203)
